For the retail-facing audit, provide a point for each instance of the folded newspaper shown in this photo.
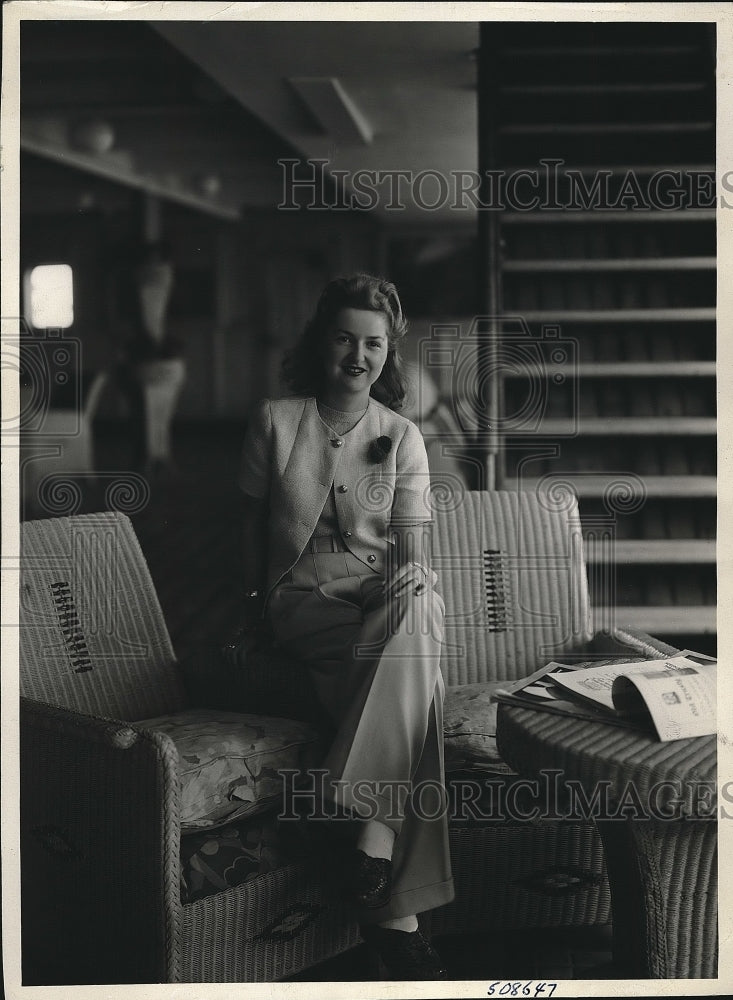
(674, 696)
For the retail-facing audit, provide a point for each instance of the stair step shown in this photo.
(615, 145)
(624, 369)
(598, 485)
(628, 369)
(611, 264)
(682, 315)
(639, 550)
(581, 89)
(629, 426)
(585, 216)
(600, 50)
(672, 620)
(615, 169)
(604, 128)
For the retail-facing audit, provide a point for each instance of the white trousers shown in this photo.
(376, 670)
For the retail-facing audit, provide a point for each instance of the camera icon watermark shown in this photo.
(502, 379)
(48, 367)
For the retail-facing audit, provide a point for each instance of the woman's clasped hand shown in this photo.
(412, 577)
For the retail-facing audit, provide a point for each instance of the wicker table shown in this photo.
(655, 808)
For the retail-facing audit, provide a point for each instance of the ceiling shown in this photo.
(414, 83)
(190, 99)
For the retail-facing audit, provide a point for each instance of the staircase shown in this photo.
(622, 277)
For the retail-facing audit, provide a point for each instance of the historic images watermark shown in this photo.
(312, 185)
(493, 797)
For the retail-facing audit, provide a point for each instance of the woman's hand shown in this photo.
(411, 577)
(411, 557)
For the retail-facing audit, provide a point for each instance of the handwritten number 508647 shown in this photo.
(520, 989)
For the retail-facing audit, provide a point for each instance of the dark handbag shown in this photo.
(248, 673)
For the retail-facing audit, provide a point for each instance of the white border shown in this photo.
(18, 10)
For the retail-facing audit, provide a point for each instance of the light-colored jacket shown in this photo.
(292, 459)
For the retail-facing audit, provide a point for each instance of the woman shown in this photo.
(336, 558)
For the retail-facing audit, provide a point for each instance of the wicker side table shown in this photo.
(654, 805)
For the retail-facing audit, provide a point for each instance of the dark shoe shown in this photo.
(406, 955)
(371, 880)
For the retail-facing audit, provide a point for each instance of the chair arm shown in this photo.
(629, 641)
(100, 842)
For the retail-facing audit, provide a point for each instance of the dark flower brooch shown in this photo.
(379, 449)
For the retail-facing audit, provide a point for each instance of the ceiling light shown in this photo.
(93, 136)
(208, 184)
(333, 108)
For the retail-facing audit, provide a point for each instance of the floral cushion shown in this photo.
(230, 762)
(215, 860)
(469, 729)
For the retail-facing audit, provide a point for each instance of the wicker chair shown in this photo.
(512, 570)
(100, 825)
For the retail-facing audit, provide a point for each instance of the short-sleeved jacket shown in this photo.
(292, 459)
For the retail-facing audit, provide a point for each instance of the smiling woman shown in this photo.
(357, 310)
(354, 354)
(336, 565)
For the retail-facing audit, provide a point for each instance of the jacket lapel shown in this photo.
(310, 468)
(313, 463)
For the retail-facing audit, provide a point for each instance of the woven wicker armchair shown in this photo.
(100, 824)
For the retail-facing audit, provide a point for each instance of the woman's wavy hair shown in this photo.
(303, 369)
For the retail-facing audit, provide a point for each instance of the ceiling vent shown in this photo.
(333, 108)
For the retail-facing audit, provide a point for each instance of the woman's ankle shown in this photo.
(376, 840)
(408, 924)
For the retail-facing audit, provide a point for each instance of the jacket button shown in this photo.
(371, 557)
(336, 442)
(347, 534)
(343, 489)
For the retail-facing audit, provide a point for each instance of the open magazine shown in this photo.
(674, 696)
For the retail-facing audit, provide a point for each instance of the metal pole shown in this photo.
(489, 262)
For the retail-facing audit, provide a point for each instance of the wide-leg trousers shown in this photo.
(376, 669)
